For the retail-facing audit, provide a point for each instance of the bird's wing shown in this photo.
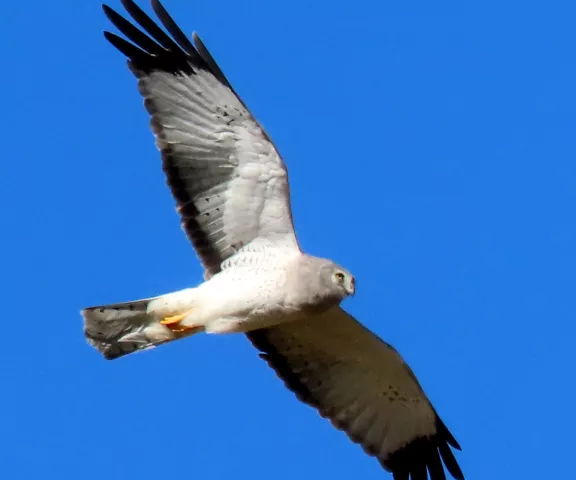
(362, 385)
(229, 181)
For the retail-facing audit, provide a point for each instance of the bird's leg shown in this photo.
(173, 322)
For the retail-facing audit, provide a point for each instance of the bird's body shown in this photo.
(255, 295)
(261, 290)
(260, 286)
(232, 193)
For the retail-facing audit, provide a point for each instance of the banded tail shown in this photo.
(122, 328)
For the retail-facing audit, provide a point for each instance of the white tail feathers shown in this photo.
(123, 328)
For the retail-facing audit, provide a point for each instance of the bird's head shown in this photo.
(322, 284)
(339, 281)
(344, 280)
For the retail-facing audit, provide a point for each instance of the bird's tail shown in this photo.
(122, 328)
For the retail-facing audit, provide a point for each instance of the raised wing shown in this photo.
(362, 385)
(229, 182)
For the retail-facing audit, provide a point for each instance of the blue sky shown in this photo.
(431, 151)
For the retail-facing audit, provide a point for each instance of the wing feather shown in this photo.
(228, 179)
(363, 386)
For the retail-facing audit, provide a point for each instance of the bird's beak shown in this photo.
(352, 287)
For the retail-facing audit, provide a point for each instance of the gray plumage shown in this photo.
(231, 190)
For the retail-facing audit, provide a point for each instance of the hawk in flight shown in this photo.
(232, 193)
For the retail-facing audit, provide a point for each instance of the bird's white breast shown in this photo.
(250, 289)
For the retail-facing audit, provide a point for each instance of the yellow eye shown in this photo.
(339, 276)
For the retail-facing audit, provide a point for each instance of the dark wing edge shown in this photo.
(153, 50)
(413, 460)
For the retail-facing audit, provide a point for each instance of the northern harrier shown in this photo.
(231, 188)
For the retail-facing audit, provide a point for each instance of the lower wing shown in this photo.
(364, 387)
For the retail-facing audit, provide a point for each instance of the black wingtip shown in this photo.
(450, 461)
(126, 48)
(446, 434)
(172, 27)
(147, 46)
(424, 453)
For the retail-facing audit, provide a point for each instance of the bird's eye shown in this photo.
(339, 276)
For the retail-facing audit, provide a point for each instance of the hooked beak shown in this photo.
(351, 287)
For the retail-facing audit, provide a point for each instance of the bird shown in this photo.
(231, 190)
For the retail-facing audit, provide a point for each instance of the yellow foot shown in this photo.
(173, 322)
(175, 318)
